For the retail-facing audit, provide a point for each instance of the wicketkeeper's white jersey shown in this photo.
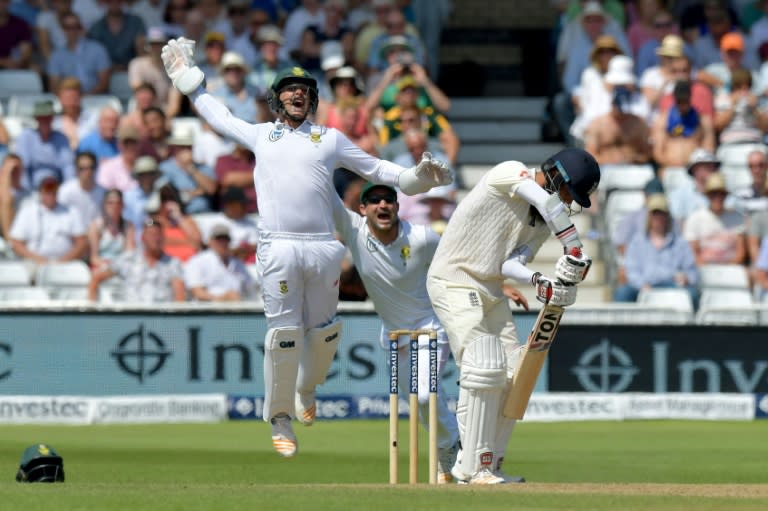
(394, 275)
(489, 224)
(294, 168)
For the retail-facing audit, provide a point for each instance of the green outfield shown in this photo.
(343, 465)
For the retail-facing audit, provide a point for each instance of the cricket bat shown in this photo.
(532, 359)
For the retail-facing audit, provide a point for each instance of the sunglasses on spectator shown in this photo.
(151, 222)
(375, 199)
(222, 237)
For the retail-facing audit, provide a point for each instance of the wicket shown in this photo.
(413, 405)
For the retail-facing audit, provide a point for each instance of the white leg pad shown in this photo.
(317, 356)
(282, 348)
(483, 377)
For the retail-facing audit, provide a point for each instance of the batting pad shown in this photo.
(282, 348)
(483, 378)
(318, 355)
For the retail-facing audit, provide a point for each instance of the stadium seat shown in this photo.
(736, 177)
(69, 274)
(24, 294)
(99, 101)
(120, 86)
(727, 307)
(675, 177)
(735, 154)
(15, 125)
(182, 124)
(205, 222)
(670, 298)
(723, 276)
(23, 104)
(623, 177)
(617, 205)
(19, 81)
(14, 274)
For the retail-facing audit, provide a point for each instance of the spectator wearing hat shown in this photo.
(716, 234)
(12, 193)
(81, 193)
(147, 175)
(235, 170)
(396, 38)
(110, 233)
(266, 59)
(148, 67)
(434, 124)
(195, 182)
(372, 29)
(44, 230)
(215, 274)
(658, 80)
(121, 33)
(73, 120)
(44, 147)
(79, 57)
(147, 274)
(309, 13)
(215, 44)
(102, 140)
(689, 197)
(116, 172)
(718, 75)
(657, 256)
(634, 221)
(648, 56)
(678, 131)
(233, 90)
(701, 95)
(16, 42)
(346, 112)
(739, 118)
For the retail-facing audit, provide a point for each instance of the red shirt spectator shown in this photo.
(236, 170)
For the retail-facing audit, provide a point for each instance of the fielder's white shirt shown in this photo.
(207, 270)
(48, 232)
(489, 224)
(395, 275)
(293, 175)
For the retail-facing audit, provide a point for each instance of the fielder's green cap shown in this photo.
(369, 185)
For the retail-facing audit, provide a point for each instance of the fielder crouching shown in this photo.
(494, 232)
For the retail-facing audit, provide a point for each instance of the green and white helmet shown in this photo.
(286, 77)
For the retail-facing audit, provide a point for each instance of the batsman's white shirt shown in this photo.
(395, 275)
(294, 168)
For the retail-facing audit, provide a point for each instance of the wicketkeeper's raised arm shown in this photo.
(188, 79)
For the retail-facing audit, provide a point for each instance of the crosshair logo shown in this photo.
(605, 368)
(141, 355)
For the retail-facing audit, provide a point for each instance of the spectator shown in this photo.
(174, 15)
(641, 29)
(12, 193)
(701, 95)
(268, 61)
(215, 274)
(411, 118)
(147, 175)
(619, 137)
(333, 28)
(115, 172)
(215, 45)
(79, 57)
(234, 91)
(242, 227)
(5, 138)
(89, 11)
(49, 27)
(433, 123)
(706, 47)
(686, 199)
(102, 141)
(236, 29)
(648, 56)
(154, 142)
(634, 221)
(249, 47)
(150, 11)
(383, 94)
(45, 231)
(396, 38)
(308, 14)
(718, 75)
(347, 112)
(16, 43)
(110, 234)
(208, 146)
(235, 170)
(73, 120)
(148, 274)
(372, 29)
(754, 198)
(658, 80)
(213, 12)
(81, 193)
(658, 257)
(181, 233)
(44, 148)
(196, 28)
(716, 234)
(121, 33)
(678, 131)
(195, 182)
(148, 67)
(738, 116)
(144, 97)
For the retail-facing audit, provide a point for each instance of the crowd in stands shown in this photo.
(157, 204)
(680, 87)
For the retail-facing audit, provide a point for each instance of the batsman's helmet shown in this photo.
(40, 463)
(578, 170)
(286, 77)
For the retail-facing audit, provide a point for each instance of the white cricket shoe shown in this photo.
(446, 458)
(507, 478)
(306, 408)
(482, 476)
(283, 439)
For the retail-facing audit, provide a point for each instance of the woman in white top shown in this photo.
(110, 234)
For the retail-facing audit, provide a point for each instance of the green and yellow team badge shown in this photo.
(314, 134)
(283, 286)
(297, 71)
(405, 254)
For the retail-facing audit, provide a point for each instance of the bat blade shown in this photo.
(531, 361)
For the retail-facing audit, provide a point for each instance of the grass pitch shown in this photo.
(343, 465)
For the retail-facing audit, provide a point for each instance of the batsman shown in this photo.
(494, 233)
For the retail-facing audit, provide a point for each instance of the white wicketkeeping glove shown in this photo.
(180, 66)
(428, 174)
(553, 292)
(572, 268)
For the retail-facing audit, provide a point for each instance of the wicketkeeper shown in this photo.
(299, 259)
(494, 232)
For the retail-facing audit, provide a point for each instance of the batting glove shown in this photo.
(553, 292)
(573, 268)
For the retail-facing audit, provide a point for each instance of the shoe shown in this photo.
(507, 478)
(306, 408)
(482, 476)
(446, 458)
(283, 439)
